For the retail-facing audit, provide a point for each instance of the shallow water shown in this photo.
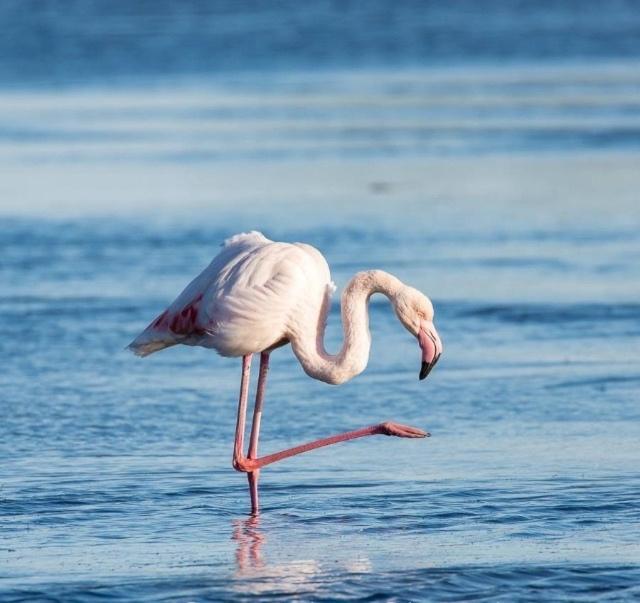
(508, 193)
(117, 479)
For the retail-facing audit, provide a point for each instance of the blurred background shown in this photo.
(143, 107)
(487, 153)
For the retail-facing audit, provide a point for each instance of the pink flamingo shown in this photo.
(258, 295)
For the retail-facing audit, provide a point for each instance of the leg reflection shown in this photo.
(249, 538)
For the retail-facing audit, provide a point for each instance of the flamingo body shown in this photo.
(246, 301)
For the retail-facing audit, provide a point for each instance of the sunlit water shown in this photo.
(116, 476)
(509, 194)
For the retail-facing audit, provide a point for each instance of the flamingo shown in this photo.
(257, 295)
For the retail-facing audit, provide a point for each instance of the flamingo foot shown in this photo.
(390, 428)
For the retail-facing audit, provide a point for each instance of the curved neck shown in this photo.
(308, 344)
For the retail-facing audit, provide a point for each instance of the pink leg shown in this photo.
(387, 428)
(254, 476)
(251, 464)
(238, 445)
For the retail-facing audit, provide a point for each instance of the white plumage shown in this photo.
(257, 294)
(244, 300)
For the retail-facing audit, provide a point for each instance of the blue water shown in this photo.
(486, 155)
(101, 40)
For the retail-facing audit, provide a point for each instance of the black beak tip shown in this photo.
(425, 369)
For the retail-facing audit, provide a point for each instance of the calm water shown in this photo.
(507, 191)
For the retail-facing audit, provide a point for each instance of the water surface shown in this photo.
(507, 191)
(117, 477)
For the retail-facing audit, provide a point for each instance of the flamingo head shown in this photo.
(415, 312)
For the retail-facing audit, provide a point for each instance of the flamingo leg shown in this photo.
(251, 464)
(254, 476)
(387, 428)
(238, 445)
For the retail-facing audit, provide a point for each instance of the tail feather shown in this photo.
(144, 349)
(152, 340)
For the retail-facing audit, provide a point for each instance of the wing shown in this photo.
(184, 320)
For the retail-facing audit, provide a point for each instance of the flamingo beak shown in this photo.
(431, 347)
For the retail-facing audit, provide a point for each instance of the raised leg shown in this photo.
(254, 476)
(251, 464)
(387, 428)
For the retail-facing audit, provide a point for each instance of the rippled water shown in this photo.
(344, 114)
(505, 190)
(116, 480)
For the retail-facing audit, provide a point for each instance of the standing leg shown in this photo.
(238, 447)
(254, 476)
